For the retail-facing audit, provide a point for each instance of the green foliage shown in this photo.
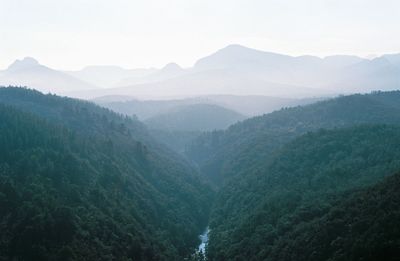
(224, 154)
(79, 182)
(262, 182)
(176, 140)
(362, 225)
(253, 216)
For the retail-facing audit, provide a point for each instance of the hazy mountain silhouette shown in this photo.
(238, 70)
(196, 117)
(29, 72)
(108, 76)
(245, 105)
(233, 70)
(169, 71)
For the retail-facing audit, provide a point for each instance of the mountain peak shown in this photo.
(234, 47)
(235, 55)
(237, 49)
(25, 63)
(171, 67)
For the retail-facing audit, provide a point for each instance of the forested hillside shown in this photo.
(152, 132)
(223, 154)
(81, 182)
(196, 117)
(179, 126)
(362, 225)
(257, 217)
(267, 174)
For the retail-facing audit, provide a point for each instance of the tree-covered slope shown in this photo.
(195, 117)
(362, 225)
(223, 154)
(80, 182)
(180, 125)
(295, 185)
(82, 116)
(175, 140)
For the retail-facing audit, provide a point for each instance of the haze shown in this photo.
(199, 130)
(70, 34)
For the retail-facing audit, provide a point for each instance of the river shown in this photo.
(204, 240)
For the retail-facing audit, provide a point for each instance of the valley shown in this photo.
(187, 130)
(249, 190)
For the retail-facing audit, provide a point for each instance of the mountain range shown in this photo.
(28, 72)
(233, 70)
(246, 105)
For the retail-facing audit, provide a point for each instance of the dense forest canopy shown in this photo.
(297, 185)
(359, 225)
(271, 168)
(150, 131)
(179, 126)
(222, 154)
(81, 182)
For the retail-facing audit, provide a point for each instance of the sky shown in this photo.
(70, 34)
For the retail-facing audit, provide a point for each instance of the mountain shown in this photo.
(112, 99)
(330, 73)
(197, 117)
(107, 76)
(81, 182)
(237, 56)
(28, 72)
(176, 123)
(340, 61)
(176, 140)
(239, 70)
(241, 57)
(233, 70)
(213, 82)
(394, 59)
(221, 154)
(143, 109)
(370, 216)
(273, 174)
(246, 105)
(377, 74)
(169, 71)
(179, 126)
(253, 105)
(303, 192)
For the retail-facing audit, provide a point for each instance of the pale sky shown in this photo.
(69, 34)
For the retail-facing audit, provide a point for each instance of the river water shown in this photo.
(204, 240)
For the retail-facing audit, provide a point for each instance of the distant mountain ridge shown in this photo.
(29, 72)
(195, 117)
(239, 70)
(108, 76)
(237, 56)
(233, 70)
(246, 105)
